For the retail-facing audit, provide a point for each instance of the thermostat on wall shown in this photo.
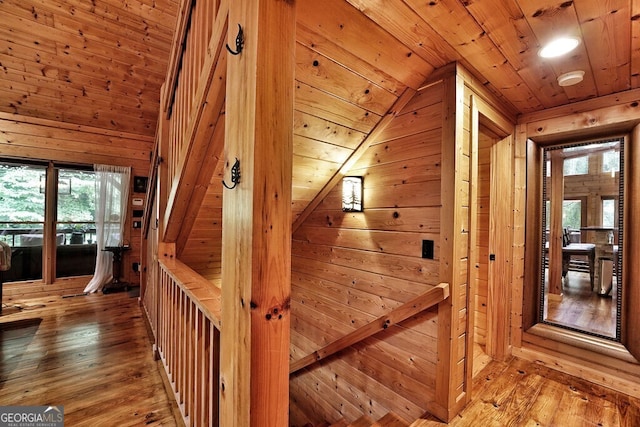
(137, 202)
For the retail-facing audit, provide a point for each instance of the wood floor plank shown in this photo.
(91, 354)
(520, 393)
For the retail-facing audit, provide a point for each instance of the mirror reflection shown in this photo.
(582, 237)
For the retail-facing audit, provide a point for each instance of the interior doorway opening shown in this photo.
(491, 240)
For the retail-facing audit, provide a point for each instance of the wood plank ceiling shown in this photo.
(102, 62)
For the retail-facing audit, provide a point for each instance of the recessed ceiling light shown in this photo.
(571, 78)
(559, 47)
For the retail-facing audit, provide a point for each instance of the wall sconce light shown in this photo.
(352, 194)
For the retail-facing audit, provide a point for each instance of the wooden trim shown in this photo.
(397, 107)
(630, 264)
(519, 217)
(622, 99)
(602, 121)
(50, 213)
(199, 290)
(421, 303)
(446, 393)
(596, 369)
(504, 114)
(473, 234)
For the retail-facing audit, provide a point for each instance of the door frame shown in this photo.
(499, 299)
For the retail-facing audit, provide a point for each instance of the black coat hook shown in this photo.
(239, 42)
(235, 175)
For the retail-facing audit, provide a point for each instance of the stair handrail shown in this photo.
(425, 301)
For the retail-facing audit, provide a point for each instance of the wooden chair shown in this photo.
(577, 249)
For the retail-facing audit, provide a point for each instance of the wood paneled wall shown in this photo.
(31, 138)
(482, 242)
(349, 268)
(203, 250)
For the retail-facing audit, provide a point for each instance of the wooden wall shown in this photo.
(31, 138)
(203, 250)
(482, 243)
(349, 268)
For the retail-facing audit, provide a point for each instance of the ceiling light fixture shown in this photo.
(571, 78)
(559, 47)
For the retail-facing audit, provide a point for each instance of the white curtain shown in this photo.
(112, 194)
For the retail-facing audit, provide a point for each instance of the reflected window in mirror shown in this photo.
(582, 235)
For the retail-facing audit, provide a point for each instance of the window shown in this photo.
(75, 220)
(611, 161)
(24, 225)
(576, 166)
(572, 214)
(22, 209)
(608, 212)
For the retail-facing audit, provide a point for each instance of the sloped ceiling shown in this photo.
(89, 62)
(102, 62)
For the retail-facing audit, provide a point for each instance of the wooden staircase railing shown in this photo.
(188, 340)
(420, 303)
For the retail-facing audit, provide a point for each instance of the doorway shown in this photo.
(491, 230)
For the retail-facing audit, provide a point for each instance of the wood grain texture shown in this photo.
(349, 268)
(411, 308)
(631, 266)
(99, 65)
(256, 237)
(517, 392)
(89, 353)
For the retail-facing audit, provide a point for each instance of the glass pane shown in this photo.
(611, 161)
(576, 166)
(21, 193)
(75, 228)
(75, 249)
(22, 219)
(608, 213)
(572, 214)
(76, 196)
(26, 253)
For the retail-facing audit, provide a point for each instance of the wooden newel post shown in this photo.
(256, 249)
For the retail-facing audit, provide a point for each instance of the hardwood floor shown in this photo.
(519, 393)
(92, 355)
(582, 308)
(89, 353)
